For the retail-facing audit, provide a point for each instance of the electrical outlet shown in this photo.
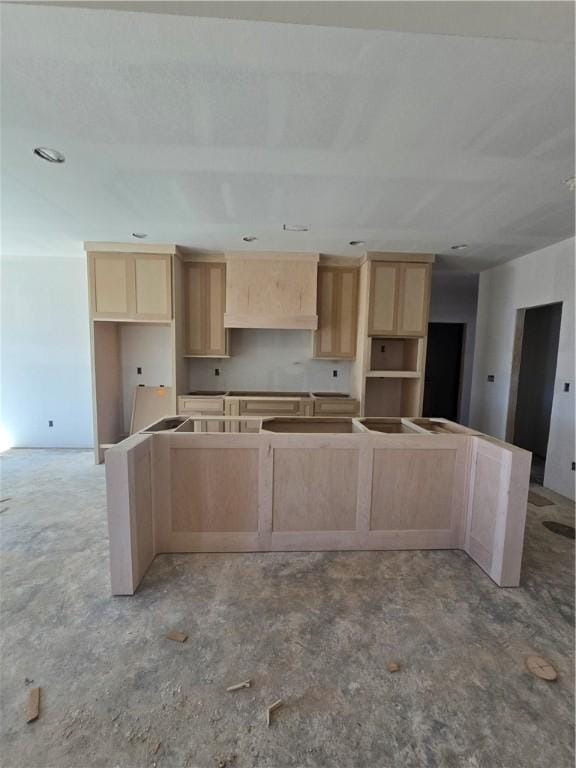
(383, 348)
(566, 386)
(334, 374)
(139, 371)
(50, 423)
(574, 466)
(216, 371)
(490, 377)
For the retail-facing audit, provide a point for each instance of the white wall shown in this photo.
(453, 299)
(270, 359)
(148, 347)
(543, 277)
(45, 352)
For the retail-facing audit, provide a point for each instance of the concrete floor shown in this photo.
(314, 629)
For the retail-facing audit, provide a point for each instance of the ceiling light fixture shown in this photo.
(140, 235)
(50, 155)
(458, 247)
(571, 183)
(249, 238)
(356, 242)
(295, 227)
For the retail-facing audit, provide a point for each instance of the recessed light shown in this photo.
(50, 155)
(139, 235)
(249, 238)
(295, 227)
(571, 183)
(357, 242)
(458, 247)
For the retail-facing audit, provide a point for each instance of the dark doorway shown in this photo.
(443, 370)
(536, 376)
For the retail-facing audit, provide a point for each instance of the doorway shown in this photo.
(443, 370)
(532, 382)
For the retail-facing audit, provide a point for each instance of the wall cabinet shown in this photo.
(271, 290)
(399, 298)
(130, 286)
(204, 301)
(335, 338)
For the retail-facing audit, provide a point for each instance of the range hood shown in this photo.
(271, 290)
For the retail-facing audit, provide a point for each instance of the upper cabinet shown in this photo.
(271, 290)
(335, 338)
(399, 298)
(130, 286)
(204, 302)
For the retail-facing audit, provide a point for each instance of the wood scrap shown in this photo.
(33, 705)
(178, 637)
(239, 686)
(541, 668)
(272, 708)
(393, 666)
(156, 747)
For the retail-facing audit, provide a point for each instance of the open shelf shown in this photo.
(392, 375)
(392, 397)
(399, 356)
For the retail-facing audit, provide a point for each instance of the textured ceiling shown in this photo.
(199, 131)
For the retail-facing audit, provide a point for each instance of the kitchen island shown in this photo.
(314, 484)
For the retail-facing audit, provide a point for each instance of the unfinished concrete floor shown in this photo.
(313, 629)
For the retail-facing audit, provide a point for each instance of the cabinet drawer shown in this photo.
(200, 405)
(282, 406)
(332, 406)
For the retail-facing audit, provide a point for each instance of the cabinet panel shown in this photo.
(269, 407)
(205, 301)
(337, 313)
(413, 301)
(195, 299)
(271, 292)
(202, 406)
(216, 295)
(111, 285)
(333, 406)
(384, 285)
(153, 287)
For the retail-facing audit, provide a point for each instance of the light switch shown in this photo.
(490, 377)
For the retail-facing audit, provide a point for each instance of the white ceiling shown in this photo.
(199, 131)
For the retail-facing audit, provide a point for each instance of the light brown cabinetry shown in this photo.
(130, 286)
(399, 298)
(204, 301)
(271, 290)
(336, 406)
(335, 338)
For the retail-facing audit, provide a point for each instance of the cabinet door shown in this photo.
(111, 285)
(153, 287)
(215, 337)
(384, 290)
(337, 313)
(205, 303)
(414, 295)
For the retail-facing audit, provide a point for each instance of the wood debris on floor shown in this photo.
(33, 705)
(272, 708)
(393, 666)
(178, 637)
(541, 668)
(239, 686)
